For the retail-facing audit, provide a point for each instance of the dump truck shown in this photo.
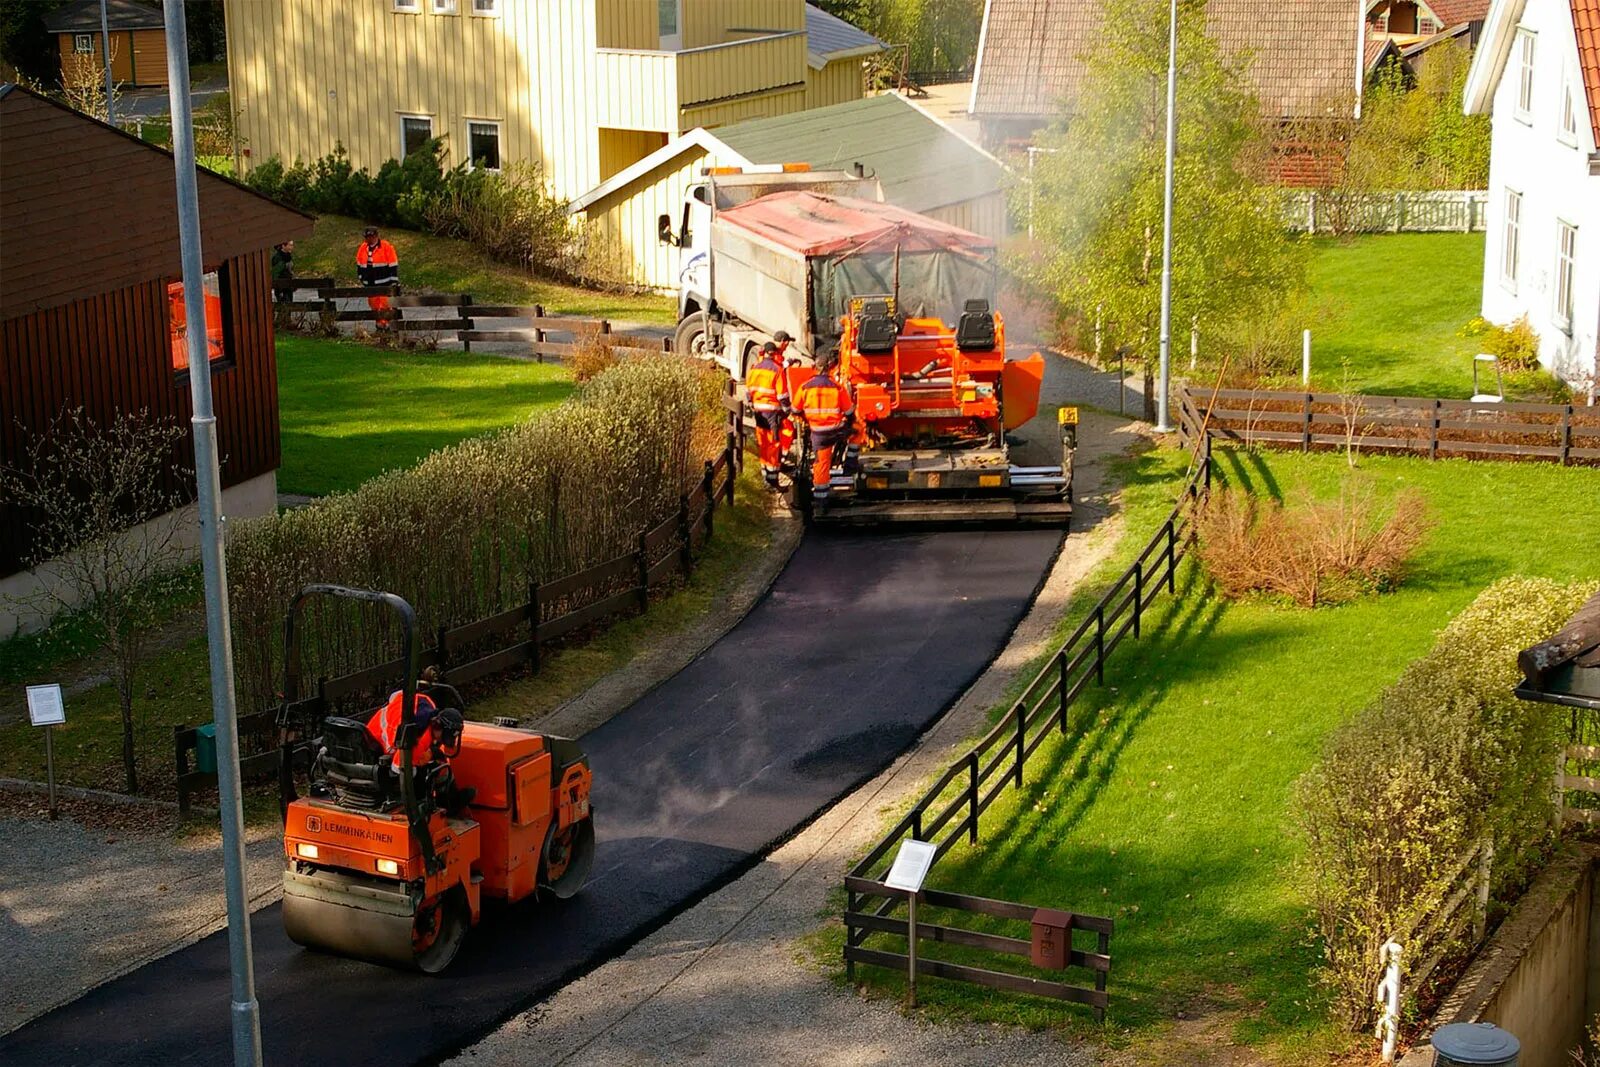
(907, 302)
(390, 862)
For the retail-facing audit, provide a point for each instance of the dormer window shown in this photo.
(1567, 132)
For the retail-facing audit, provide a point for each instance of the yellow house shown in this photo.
(585, 88)
(921, 164)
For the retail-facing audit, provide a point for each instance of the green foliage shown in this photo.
(1516, 345)
(939, 35)
(24, 42)
(1444, 758)
(462, 534)
(1415, 135)
(1099, 189)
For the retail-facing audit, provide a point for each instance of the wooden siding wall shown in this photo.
(986, 215)
(113, 352)
(836, 83)
(620, 149)
(627, 218)
(642, 91)
(708, 23)
(138, 57)
(781, 102)
(747, 66)
(625, 24)
(310, 73)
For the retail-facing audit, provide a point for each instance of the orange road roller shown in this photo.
(390, 855)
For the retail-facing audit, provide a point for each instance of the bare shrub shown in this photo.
(592, 353)
(80, 489)
(1315, 552)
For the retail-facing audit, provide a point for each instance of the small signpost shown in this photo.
(911, 865)
(47, 709)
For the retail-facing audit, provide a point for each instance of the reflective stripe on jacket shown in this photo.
(377, 266)
(766, 385)
(385, 723)
(824, 402)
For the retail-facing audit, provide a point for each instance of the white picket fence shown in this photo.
(1432, 211)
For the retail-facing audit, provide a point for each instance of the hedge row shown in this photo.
(1442, 759)
(462, 534)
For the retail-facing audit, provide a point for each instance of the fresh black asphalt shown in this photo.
(861, 643)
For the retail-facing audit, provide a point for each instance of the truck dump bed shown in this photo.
(791, 260)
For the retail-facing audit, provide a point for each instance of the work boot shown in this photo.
(772, 478)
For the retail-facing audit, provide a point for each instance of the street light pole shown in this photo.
(105, 54)
(1163, 423)
(245, 1013)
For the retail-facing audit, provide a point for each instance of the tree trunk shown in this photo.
(1149, 395)
(130, 767)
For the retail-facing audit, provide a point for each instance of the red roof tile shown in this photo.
(1455, 12)
(1586, 23)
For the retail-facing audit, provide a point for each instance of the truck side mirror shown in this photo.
(664, 230)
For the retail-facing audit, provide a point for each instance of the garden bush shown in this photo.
(1313, 552)
(1442, 759)
(1516, 345)
(463, 534)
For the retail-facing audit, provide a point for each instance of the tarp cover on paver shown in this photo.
(851, 247)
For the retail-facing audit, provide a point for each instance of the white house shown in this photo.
(1537, 73)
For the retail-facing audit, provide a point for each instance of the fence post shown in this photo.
(1399, 212)
(1311, 213)
(533, 623)
(1480, 911)
(538, 333)
(1305, 430)
(708, 480)
(733, 463)
(1566, 435)
(1388, 1028)
(1433, 433)
(683, 534)
(644, 573)
(466, 322)
(1100, 644)
(1172, 558)
(972, 794)
(1061, 710)
(1138, 595)
(1022, 720)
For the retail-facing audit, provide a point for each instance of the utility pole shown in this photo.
(244, 1012)
(105, 54)
(1163, 423)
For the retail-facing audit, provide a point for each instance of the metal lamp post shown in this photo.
(1163, 421)
(105, 54)
(245, 1013)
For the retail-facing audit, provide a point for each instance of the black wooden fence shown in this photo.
(511, 638)
(951, 809)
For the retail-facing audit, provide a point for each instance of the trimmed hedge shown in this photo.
(1407, 788)
(462, 534)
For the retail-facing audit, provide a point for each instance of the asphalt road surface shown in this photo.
(861, 643)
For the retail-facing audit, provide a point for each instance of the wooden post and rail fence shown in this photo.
(513, 637)
(456, 315)
(951, 810)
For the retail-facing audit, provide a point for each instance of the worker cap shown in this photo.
(828, 357)
(370, 231)
(782, 337)
(769, 349)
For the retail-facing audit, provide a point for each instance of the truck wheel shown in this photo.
(690, 339)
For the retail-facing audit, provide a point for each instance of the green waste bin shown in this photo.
(205, 748)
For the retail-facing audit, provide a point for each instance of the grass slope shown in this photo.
(348, 411)
(1395, 304)
(451, 266)
(1167, 806)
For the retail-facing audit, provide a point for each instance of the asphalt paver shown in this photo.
(862, 642)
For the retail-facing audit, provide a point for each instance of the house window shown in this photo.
(1509, 240)
(488, 8)
(1568, 131)
(83, 43)
(483, 144)
(669, 24)
(177, 321)
(444, 7)
(411, 7)
(1525, 75)
(1566, 255)
(1427, 26)
(415, 131)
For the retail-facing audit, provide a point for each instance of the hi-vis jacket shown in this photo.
(766, 385)
(824, 402)
(377, 266)
(385, 723)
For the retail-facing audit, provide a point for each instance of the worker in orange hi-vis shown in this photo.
(377, 264)
(786, 424)
(829, 412)
(766, 390)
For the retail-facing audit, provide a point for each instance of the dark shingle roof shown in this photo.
(921, 164)
(828, 35)
(1033, 58)
(83, 16)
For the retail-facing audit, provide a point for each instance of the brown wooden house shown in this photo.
(138, 40)
(89, 283)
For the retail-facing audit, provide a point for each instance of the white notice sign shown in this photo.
(911, 865)
(45, 706)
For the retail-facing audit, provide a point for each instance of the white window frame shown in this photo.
(1511, 239)
(499, 139)
(412, 116)
(1427, 25)
(83, 44)
(1566, 264)
(442, 7)
(492, 11)
(1567, 128)
(408, 7)
(670, 42)
(1526, 40)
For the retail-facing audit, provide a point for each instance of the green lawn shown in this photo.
(1392, 307)
(349, 411)
(1167, 808)
(452, 266)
